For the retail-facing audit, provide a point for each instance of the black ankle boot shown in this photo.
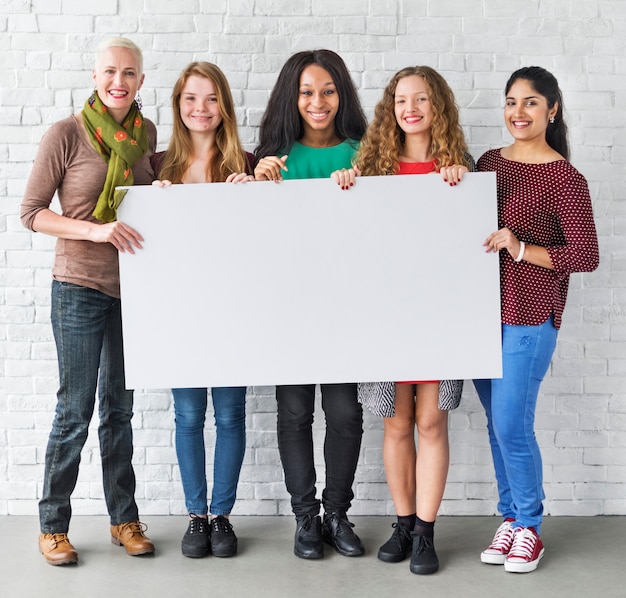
(424, 559)
(337, 531)
(308, 539)
(398, 547)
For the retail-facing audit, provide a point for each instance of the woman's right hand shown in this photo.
(122, 236)
(346, 177)
(163, 183)
(453, 174)
(270, 168)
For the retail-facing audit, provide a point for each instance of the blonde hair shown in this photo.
(120, 42)
(228, 155)
(384, 140)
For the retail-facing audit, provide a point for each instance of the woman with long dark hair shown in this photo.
(546, 232)
(311, 127)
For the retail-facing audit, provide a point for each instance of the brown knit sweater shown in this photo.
(67, 163)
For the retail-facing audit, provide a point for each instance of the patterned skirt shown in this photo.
(379, 397)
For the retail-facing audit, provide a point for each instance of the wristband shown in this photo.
(522, 248)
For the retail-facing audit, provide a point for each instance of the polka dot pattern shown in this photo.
(547, 205)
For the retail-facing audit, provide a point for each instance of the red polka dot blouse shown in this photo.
(547, 205)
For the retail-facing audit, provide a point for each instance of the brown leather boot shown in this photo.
(57, 550)
(131, 536)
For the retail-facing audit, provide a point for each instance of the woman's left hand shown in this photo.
(503, 239)
(345, 177)
(239, 177)
(453, 174)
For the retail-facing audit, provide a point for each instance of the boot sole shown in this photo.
(134, 552)
(387, 557)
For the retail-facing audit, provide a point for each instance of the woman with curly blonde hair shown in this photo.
(415, 130)
(385, 139)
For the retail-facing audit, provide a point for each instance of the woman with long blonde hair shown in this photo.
(205, 148)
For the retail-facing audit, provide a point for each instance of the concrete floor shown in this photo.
(585, 557)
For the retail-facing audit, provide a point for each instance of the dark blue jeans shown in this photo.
(87, 327)
(229, 405)
(344, 429)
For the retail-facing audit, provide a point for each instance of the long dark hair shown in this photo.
(545, 84)
(281, 124)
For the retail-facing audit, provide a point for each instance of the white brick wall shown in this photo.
(46, 55)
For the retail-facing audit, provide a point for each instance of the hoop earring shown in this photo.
(552, 120)
(138, 102)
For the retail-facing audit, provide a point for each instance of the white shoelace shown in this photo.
(503, 538)
(523, 544)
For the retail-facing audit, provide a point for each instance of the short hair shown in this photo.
(120, 42)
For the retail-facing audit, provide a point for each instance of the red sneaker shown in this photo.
(526, 551)
(495, 553)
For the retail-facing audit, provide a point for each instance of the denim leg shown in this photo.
(80, 322)
(190, 414)
(296, 404)
(505, 502)
(115, 431)
(344, 430)
(526, 355)
(229, 405)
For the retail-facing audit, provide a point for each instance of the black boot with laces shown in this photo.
(308, 539)
(398, 547)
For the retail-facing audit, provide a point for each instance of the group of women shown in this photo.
(313, 127)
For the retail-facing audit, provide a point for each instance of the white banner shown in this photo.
(301, 282)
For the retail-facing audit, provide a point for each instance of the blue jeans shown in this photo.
(510, 404)
(87, 327)
(229, 404)
(342, 443)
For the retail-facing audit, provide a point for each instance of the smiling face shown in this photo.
(318, 100)
(526, 112)
(118, 79)
(413, 109)
(199, 107)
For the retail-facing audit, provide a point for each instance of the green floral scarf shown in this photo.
(119, 145)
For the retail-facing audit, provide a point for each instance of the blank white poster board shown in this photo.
(301, 282)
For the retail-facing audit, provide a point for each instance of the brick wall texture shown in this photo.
(46, 49)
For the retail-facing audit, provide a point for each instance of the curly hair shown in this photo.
(384, 140)
(228, 155)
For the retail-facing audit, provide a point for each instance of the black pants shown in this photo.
(344, 429)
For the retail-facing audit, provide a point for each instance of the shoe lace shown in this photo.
(134, 527)
(221, 525)
(423, 544)
(57, 539)
(503, 537)
(400, 532)
(342, 524)
(197, 525)
(523, 543)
